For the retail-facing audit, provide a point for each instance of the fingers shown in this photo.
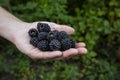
(82, 51)
(79, 50)
(58, 27)
(70, 52)
(57, 54)
(66, 28)
(44, 55)
(80, 44)
(50, 55)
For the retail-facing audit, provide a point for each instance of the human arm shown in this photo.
(15, 30)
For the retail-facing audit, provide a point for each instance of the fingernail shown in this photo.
(84, 51)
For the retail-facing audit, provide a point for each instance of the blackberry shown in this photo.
(34, 41)
(55, 45)
(43, 45)
(43, 27)
(61, 35)
(33, 32)
(72, 42)
(51, 35)
(67, 43)
(42, 35)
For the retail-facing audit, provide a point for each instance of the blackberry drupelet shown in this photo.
(34, 41)
(61, 35)
(42, 36)
(33, 32)
(43, 27)
(67, 43)
(55, 45)
(43, 45)
(51, 35)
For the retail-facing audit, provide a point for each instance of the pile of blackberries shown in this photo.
(47, 40)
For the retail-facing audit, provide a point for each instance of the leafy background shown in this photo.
(97, 23)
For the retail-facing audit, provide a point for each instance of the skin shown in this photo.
(16, 31)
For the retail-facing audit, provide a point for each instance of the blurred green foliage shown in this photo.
(97, 23)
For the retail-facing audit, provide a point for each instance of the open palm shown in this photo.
(22, 43)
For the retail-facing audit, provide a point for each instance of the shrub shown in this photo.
(96, 23)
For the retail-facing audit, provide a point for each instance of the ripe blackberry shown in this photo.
(51, 35)
(72, 42)
(33, 32)
(67, 43)
(43, 27)
(61, 35)
(43, 45)
(34, 41)
(42, 35)
(55, 45)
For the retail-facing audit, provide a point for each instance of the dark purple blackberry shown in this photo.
(67, 43)
(51, 35)
(61, 35)
(43, 45)
(43, 27)
(55, 45)
(33, 32)
(42, 36)
(72, 42)
(34, 41)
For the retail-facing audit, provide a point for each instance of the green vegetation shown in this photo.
(97, 23)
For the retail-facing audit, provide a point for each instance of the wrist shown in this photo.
(9, 30)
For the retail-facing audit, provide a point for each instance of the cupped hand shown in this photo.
(21, 40)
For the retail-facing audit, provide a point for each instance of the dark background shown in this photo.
(97, 23)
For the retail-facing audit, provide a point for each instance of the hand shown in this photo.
(21, 40)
